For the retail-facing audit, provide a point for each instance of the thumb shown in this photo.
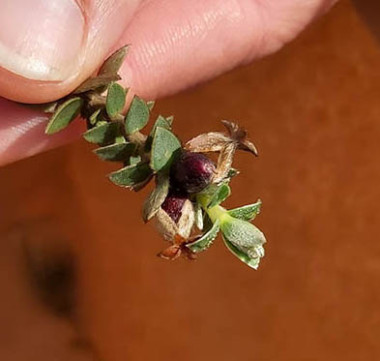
(47, 48)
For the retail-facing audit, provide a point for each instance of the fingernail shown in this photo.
(40, 39)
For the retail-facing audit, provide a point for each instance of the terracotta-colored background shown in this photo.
(313, 110)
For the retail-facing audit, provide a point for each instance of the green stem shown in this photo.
(216, 212)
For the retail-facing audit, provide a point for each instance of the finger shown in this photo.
(22, 132)
(176, 44)
(47, 48)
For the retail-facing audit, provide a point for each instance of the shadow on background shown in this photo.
(313, 111)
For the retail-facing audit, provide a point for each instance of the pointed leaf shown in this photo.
(131, 175)
(246, 213)
(170, 119)
(114, 62)
(64, 115)
(115, 99)
(137, 116)
(96, 83)
(117, 152)
(103, 134)
(160, 122)
(164, 148)
(156, 198)
(206, 240)
(150, 104)
(221, 194)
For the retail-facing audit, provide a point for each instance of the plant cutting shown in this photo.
(190, 187)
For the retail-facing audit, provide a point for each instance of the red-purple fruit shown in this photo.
(192, 172)
(173, 205)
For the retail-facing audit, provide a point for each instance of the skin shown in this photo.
(176, 44)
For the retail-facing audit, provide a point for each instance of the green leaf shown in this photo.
(246, 213)
(156, 197)
(244, 257)
(114, 62)
(137, 116)
(64, 115)
(160, 122)
(243, 239)
(221, 194)
(118, 152)
(95, 117)
(132, 175)
(206, 239)
(134, 159)
(115, 99)
(95, 83)
(164, 148)
(103, 134)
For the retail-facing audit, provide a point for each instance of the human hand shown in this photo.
(47, 48)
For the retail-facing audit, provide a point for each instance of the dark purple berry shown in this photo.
(173, 205)
(192, 172)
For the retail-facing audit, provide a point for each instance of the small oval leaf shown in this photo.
(132, 175)
(118, 152)
(64, 115)
(137, 116)
(115, 99)
(114, 62)
(156, 198)
(164, 148)
(206, 239)
(246, 213)
(103, 134)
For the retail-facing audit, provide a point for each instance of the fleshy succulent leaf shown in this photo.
(114, 62)
(117, 152)
(164, 148)
(115, 99)
(103, 134)
(64, 115)
(246, 213)
(131, 175)
(156, 198)
(137, 116)
(206, 240)
(246, 239)
(244, 257)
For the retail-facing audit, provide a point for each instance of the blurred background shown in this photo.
(78, 271)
